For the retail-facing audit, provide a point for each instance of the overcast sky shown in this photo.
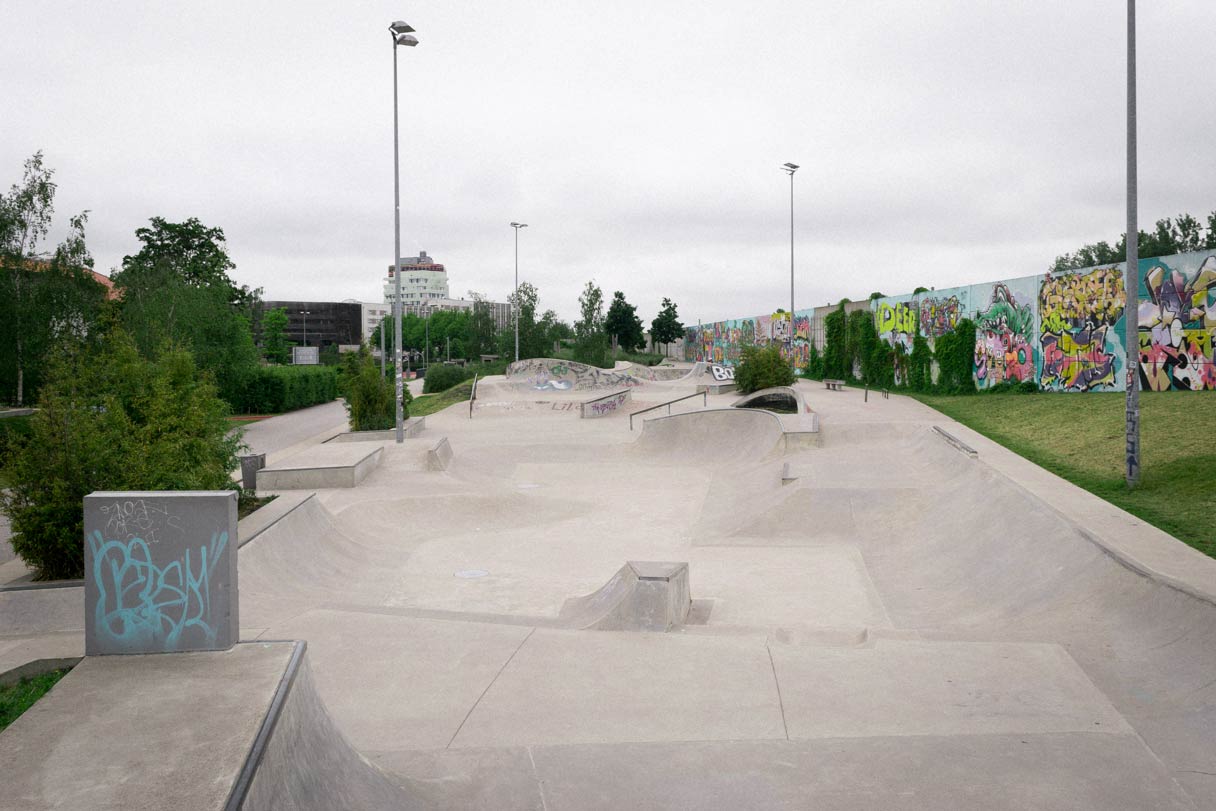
(941, 142)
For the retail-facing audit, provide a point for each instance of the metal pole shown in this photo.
(1131, 277)
(426, 350)
(793, 362)
(381, 347)
(397, 260)
(516, 308)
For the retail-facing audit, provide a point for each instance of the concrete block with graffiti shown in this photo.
(160, 571)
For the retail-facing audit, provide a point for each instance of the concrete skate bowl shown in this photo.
(781, 399)
(302, 761)
(305, 556)
(973, 556)
(555, 375)
(714, 436)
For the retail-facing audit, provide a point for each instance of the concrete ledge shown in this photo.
(329, 465)
(254, 524)
(956, 442)
(641, 596)
(439, 455)
(411, 427)
(36, 668)
(607, 405)
(716, 388)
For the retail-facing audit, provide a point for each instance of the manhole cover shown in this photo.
(469, 574)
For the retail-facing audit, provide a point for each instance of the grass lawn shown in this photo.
(1080, 437)
(425, 404)
(17, 698)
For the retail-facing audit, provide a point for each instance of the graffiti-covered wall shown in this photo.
(723, 341)
(1065, 331)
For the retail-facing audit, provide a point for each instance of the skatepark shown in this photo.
(534, 603)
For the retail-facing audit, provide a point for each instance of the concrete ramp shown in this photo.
(641, 596)
(726, 435)
(236, 729)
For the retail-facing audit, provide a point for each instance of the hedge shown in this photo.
(276, 389)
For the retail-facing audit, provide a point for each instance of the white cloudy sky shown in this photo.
(942, 141)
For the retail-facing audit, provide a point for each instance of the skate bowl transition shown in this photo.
(699, 614)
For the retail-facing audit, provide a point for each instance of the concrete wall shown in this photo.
(723, 341)
(160, 572)
(1065, 331)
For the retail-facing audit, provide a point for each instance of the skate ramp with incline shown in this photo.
(242, 729)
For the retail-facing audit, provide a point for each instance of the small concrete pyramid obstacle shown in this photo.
(641, 596)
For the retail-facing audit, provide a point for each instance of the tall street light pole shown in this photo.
(1131, 275)
(305, 314)
(517, 226)
(402, 33)
(789, 169)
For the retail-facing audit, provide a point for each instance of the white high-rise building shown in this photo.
(422, 281)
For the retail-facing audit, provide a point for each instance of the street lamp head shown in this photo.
(401, 27)
(790, 168)
(518, 225)
(409, 40)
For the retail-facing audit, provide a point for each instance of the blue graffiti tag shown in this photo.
(140, 604)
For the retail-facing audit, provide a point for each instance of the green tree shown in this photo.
(955, 354)
(176, 289)
(275, 346)
(369, 397)
(590, 340)
(920, 364)
(532, 340)
(666, 326)
(41, 300)
(480, 337)
(109, 419)
(623, 324)
(762, 368)
(836, 359)
(862, 335)
(1181, 234)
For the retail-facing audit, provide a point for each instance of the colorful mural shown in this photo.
(1081, 330)
(723, 341)
(1177, 323)
(1065, 331)
(1005, 334)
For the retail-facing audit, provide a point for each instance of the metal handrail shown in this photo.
(604, 397)
(472, 396)
(703, 394)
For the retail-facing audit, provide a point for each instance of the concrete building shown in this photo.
(320, 323)
(422, 280)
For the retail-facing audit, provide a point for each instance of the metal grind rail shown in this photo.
(472, 396)
(669, 403)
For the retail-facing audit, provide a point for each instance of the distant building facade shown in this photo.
(320, 323)
(422, 280)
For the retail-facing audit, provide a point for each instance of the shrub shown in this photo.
(814, 364)
(955, 355)
(762, 368)
(110, 420)
(920, 363)
(275, 389)
(442, 378)
(370, 400)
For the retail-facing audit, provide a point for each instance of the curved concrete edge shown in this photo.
(257, 522)
(411, 427)
(36, 667)
(800, 402)
(641, 596)
(301, 760)
(725, 434)
(1131, 542)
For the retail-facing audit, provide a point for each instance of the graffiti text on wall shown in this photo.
(1177, 327)
(144, 606)
(1078, 335)
(1004, 338)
